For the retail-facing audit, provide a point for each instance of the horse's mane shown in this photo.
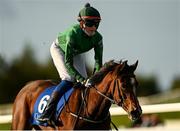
(107, 67)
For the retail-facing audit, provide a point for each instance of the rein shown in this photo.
(110, 99)
(89, 120)
(84, 118)
(83, 103)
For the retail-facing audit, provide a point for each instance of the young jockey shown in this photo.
(67, 51)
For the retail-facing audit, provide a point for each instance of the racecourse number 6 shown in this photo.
(43, 103)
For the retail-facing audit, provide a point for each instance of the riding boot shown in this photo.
(49, 112)
(50, 108)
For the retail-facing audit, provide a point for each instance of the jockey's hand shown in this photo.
(85, 82)
(81, 81)
(88, 83)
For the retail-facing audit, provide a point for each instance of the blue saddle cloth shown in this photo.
(41, 103)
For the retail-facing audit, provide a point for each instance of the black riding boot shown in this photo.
(49, 112)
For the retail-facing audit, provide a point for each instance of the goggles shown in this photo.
(91, 23)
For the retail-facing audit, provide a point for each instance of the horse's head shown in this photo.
(122, 83)
(124, 91)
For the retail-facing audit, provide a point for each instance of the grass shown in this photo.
(121, 121)
(169, 115)
(6, 126)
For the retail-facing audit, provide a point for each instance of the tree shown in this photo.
(3, 65)
(176, 83)
(21, 70)
(3, 72)
(147, 86)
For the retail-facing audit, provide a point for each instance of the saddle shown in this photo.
(41, 103)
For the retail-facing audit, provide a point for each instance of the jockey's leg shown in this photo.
(49, 112)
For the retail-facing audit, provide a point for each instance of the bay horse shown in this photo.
(87, 108)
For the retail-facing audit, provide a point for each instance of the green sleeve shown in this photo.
(69, 62)
(98, 55)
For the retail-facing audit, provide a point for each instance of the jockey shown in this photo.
(67, 51)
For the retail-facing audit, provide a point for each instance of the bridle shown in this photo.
(116, 92)
(116, 81)
(83, 94)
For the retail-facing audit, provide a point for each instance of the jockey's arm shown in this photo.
(69, 64)
(98, 49)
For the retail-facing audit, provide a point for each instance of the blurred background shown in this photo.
(144, 30)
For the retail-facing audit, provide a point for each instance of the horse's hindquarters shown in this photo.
(24, 103)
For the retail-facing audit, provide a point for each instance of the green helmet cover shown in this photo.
(89, 12)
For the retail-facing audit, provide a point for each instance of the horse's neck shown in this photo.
(97, 104)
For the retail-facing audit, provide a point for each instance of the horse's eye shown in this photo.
(124, 86)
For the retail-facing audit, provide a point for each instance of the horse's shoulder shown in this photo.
(77, 94)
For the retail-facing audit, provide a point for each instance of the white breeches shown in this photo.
(58, 59)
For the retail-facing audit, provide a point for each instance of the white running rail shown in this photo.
(157, 108)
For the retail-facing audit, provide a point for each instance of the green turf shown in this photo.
(6, 126)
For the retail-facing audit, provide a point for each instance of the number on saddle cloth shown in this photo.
(41, 103)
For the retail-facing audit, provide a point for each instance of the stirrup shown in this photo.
(51, 122)
(54, 122)
(43, 119)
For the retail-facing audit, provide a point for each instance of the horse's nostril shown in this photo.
(135, 114)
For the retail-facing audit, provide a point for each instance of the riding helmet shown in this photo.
(89, 12)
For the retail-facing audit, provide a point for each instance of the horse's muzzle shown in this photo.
(136, 114)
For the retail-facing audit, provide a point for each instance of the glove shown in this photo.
(88, 83)
(81, 81)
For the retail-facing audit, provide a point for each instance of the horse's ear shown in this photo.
(120, 68)
(124, 64)
(134, 66)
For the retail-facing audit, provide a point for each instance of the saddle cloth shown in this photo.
(41, 103)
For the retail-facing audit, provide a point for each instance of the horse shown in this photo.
(87, 107)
